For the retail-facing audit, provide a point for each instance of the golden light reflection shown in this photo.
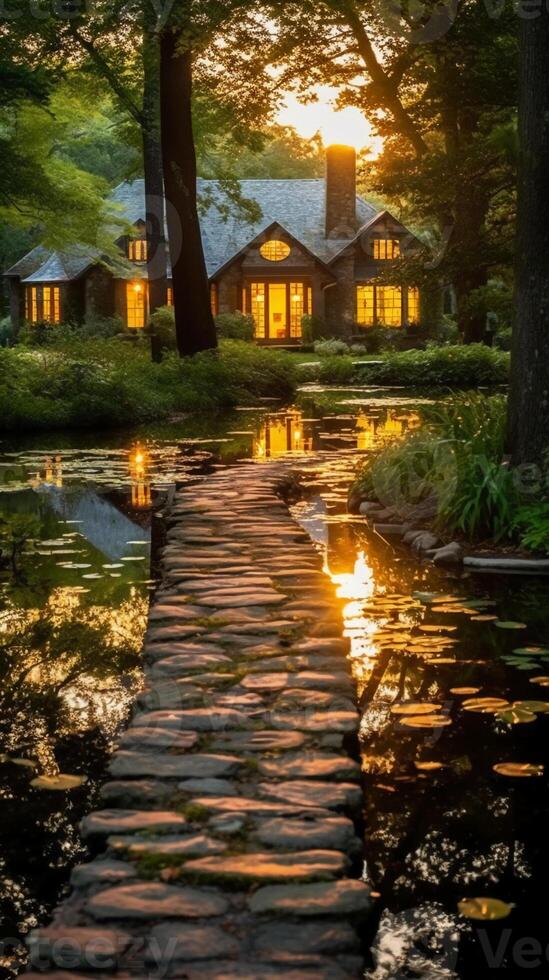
(51, 474)
(139, 462)
(281, 434)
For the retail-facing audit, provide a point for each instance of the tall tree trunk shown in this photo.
(528, 414)
(194, 324)
(157, 258)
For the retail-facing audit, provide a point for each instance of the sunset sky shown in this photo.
(342, 126)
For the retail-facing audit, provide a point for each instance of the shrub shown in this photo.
(503, 338)
(101, 326)
(99, 382)
(312, 328)
(330, 347)
(376, 339)
(336, 370)
(163, 326)
(453, 367)
(235, 326)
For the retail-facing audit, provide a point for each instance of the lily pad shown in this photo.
(530, 651)
(484, 909)
(414, 708)
(509, 625)
(543, 681)
(425, 766)
(486, 706)
(62, 781)
(426, 721)
(539, 707)
(516, 716)
(464, 690)
(518, 769)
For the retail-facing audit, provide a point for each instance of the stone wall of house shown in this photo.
(340, 192)
(340, 300)
(228, 290)
(99, 293)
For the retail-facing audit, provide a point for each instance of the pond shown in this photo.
(441, 824)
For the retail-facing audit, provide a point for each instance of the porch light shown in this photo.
(296, 297)
(138, 287)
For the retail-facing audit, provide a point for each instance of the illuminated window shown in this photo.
(257, 294)
(365, 306)
(43, 303)
(389, 306)
(169, 296)
(135, 305)
(309, 300)
(386, 248)
(244, 299)
(214, 299)
(275, 251)
(379, 304)
(137, 249)
(413, 305)
(297, 308)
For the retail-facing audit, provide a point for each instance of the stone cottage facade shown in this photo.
(317, 249)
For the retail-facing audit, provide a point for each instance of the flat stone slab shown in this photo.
(180, 664)
(261, 741)
(338, 898)
(77, 947)
(173, 633)
(212, 787)
(254, 970)
(194, 719)
(127, 764)
(245, 805)
(334, 833)
(316, 721)
(106, 871)
(161, 650)
(194, 845)
(311, 765)
(222, 601)
(128, 821)
(132, 794)
(332, 796)
(151, 900)
(264, 866)
(176, 942)
(265, 682)
(159, 738)
(288, 941)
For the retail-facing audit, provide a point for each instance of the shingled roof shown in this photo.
(297, 205)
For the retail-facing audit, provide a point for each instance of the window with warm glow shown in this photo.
(213, 299)
(413, 305)
(385, 248)
(275, 251)
(297, 308)
(135, 305)
(137, 250)
(43, 303)
(379, 305)
(365, 305)
(169, 296)
(257, 296)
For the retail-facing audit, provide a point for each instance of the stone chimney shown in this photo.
(340, 192)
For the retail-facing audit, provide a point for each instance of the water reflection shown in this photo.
(139, 468)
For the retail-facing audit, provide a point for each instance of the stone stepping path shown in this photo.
(225, 846)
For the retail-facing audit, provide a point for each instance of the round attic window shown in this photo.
(275, 251)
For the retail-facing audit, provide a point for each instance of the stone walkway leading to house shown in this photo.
(226, 847)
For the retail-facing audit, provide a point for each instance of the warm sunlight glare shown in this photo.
(335, 126)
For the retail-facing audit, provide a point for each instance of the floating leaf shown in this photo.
(539, 707)
(464, 690)
(544, 681)
(426, 721)
(530, 651)
(425, 766)
(518, 769)
(27, 763)
(516, 716)
(484, 908)
(486, 705)
(60, 782)
(443, 660)
(484, 618)
(414, 708)
(509, 625)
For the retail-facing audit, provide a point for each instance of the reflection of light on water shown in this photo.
(358, 584)
(52, 473)
(139, 476)
(281, 434)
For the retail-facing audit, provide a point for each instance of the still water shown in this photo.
(441, 825)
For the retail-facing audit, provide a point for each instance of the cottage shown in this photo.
(317, 249)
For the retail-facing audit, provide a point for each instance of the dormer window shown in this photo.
(385, 248)
(137, 249)
(275, 250)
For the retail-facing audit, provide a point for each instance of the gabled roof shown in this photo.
(297, 205)
(371, 223)
(262, 237)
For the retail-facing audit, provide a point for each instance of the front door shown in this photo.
(277, 311)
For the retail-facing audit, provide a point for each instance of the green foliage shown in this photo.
(110, 382)
(15, 532)
(338, 370)
(331, 348)
(235, 326)
(455, 464)
(376, 339)
(532, 524)
(163, 325)
(312, 328)
(453, 367)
